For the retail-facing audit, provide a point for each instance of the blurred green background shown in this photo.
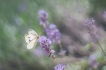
(17, 16)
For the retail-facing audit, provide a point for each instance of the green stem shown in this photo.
(60, 45)
(100, 45)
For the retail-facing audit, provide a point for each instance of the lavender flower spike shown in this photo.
(92, 32)
(60, 67)
(89, 22)
(43, 18)
(45, 44)
(53, 33)
(91, 29)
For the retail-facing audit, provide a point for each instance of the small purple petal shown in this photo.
(52, 26)
(60, 67)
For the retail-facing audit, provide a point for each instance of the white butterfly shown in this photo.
(31, 38)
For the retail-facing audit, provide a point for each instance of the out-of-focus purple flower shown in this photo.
(92, 62)
(91, 28)
(53, 33)
(104, 15)
(89, 22)
(21, 7)
(60, 67)
(45, 44)
(43, 18)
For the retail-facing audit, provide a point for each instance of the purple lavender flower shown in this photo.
(60, 67)
(89, 22)
(45, 44)
(43, 18)
(92, 62)
(91, 28)
(104, 15)
(53, 33)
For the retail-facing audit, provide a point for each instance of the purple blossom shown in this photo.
(45, 44)
(53, 33)
(89, 22)
(92, 61)
(104, 15)
(91, 28)
(43, 18)
(60, 67)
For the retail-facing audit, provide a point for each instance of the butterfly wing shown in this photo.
(26, 38)
(32, 43)
(29, 37)
(31, 31)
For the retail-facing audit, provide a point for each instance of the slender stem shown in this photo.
(85, 16)
(101, 48)
(61, 50)
(100, 45)
(56, 61)
(60, 45)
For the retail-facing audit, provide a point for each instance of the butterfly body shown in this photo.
(31, 38)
